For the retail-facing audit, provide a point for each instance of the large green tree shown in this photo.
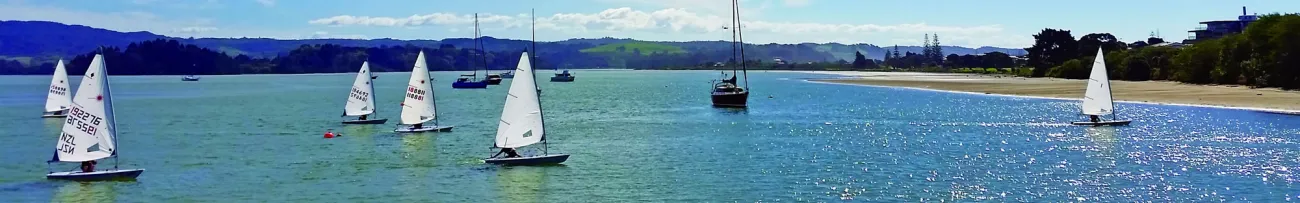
(1051, 48)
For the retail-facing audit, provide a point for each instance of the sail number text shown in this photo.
(360, 95)
(83, 120)
(415, 93)
(66, 145)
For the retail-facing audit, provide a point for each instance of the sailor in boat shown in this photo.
(510, 153)
(88, 166)
(362, 118)
(417, 126)
(1094, 118)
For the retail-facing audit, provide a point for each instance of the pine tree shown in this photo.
(925, 50)
(936, 50)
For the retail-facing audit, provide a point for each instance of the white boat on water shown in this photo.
(60, 95)
(90, 133)
(521, 123)
(361, 99)
(420, 105)
(1097, 101)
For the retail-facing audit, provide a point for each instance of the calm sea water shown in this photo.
(650, 136)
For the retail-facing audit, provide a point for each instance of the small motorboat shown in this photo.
(466, 82)
(563, 77)
(190, 78)
(508, 75)
(493, 79)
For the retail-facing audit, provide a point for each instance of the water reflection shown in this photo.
(521, 184)
(53, 125)
(417, 155)
(86, 192)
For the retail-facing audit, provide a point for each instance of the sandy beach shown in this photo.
(1265, 99)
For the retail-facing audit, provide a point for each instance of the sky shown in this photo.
(970, 23)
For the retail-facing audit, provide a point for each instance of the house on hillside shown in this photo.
(1219, 28)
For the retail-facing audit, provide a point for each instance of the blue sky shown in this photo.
(1004, 23)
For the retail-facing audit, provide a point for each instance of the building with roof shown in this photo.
(1219, 28)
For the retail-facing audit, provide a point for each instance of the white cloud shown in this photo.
(267, 3)
(194, 29)
(677, 24)
(327, 35)
(797, 3)
(413, 20)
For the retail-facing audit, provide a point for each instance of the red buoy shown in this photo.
(329, 134)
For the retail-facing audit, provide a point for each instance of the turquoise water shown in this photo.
(650, 136)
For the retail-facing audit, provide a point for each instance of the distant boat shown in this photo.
(190, 78)
(420, 105)
(92, 133)
(471, 81)
(508, 75)
(727, 92)
(521, 123)
(1097, 100)
(60, 96)
(562, 77)
(361, 100)
(493, 79)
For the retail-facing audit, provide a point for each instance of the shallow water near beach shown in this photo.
(649, 136)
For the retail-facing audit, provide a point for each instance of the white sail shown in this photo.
(521, 119)
(361, 100)
(1097, 100)
(60, 97)
(418, 105)
(88, 132)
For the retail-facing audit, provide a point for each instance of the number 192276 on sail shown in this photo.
(83, 121)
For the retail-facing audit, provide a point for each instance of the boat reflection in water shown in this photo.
(86, 192)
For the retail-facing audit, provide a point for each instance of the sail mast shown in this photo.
(735, 6)
(734, 54)
(541, 115)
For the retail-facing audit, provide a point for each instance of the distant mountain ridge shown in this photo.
(46, 41)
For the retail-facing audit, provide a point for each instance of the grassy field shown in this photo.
(646, 48)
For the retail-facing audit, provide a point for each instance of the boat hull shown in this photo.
(494, 81)
(372, 121)
(425, 129)
(469, 85)
(530, 161)
(115, 174)
(52, 115)
(1103, 123)
(562, 79)
(731, 100)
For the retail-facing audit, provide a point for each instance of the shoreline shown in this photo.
(1267, 100)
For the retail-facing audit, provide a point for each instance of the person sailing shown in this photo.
(88, 166)
(510, 153)
(1094, 118)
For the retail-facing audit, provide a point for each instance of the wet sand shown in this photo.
(1264, 99)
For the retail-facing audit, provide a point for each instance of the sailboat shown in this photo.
(420, 105)
(90, 133)
(521, 123)
(56, 103)
(361, 100)
(726, 92)
(471, 81)
(1097, 101)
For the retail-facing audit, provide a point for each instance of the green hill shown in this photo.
(646, 48)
